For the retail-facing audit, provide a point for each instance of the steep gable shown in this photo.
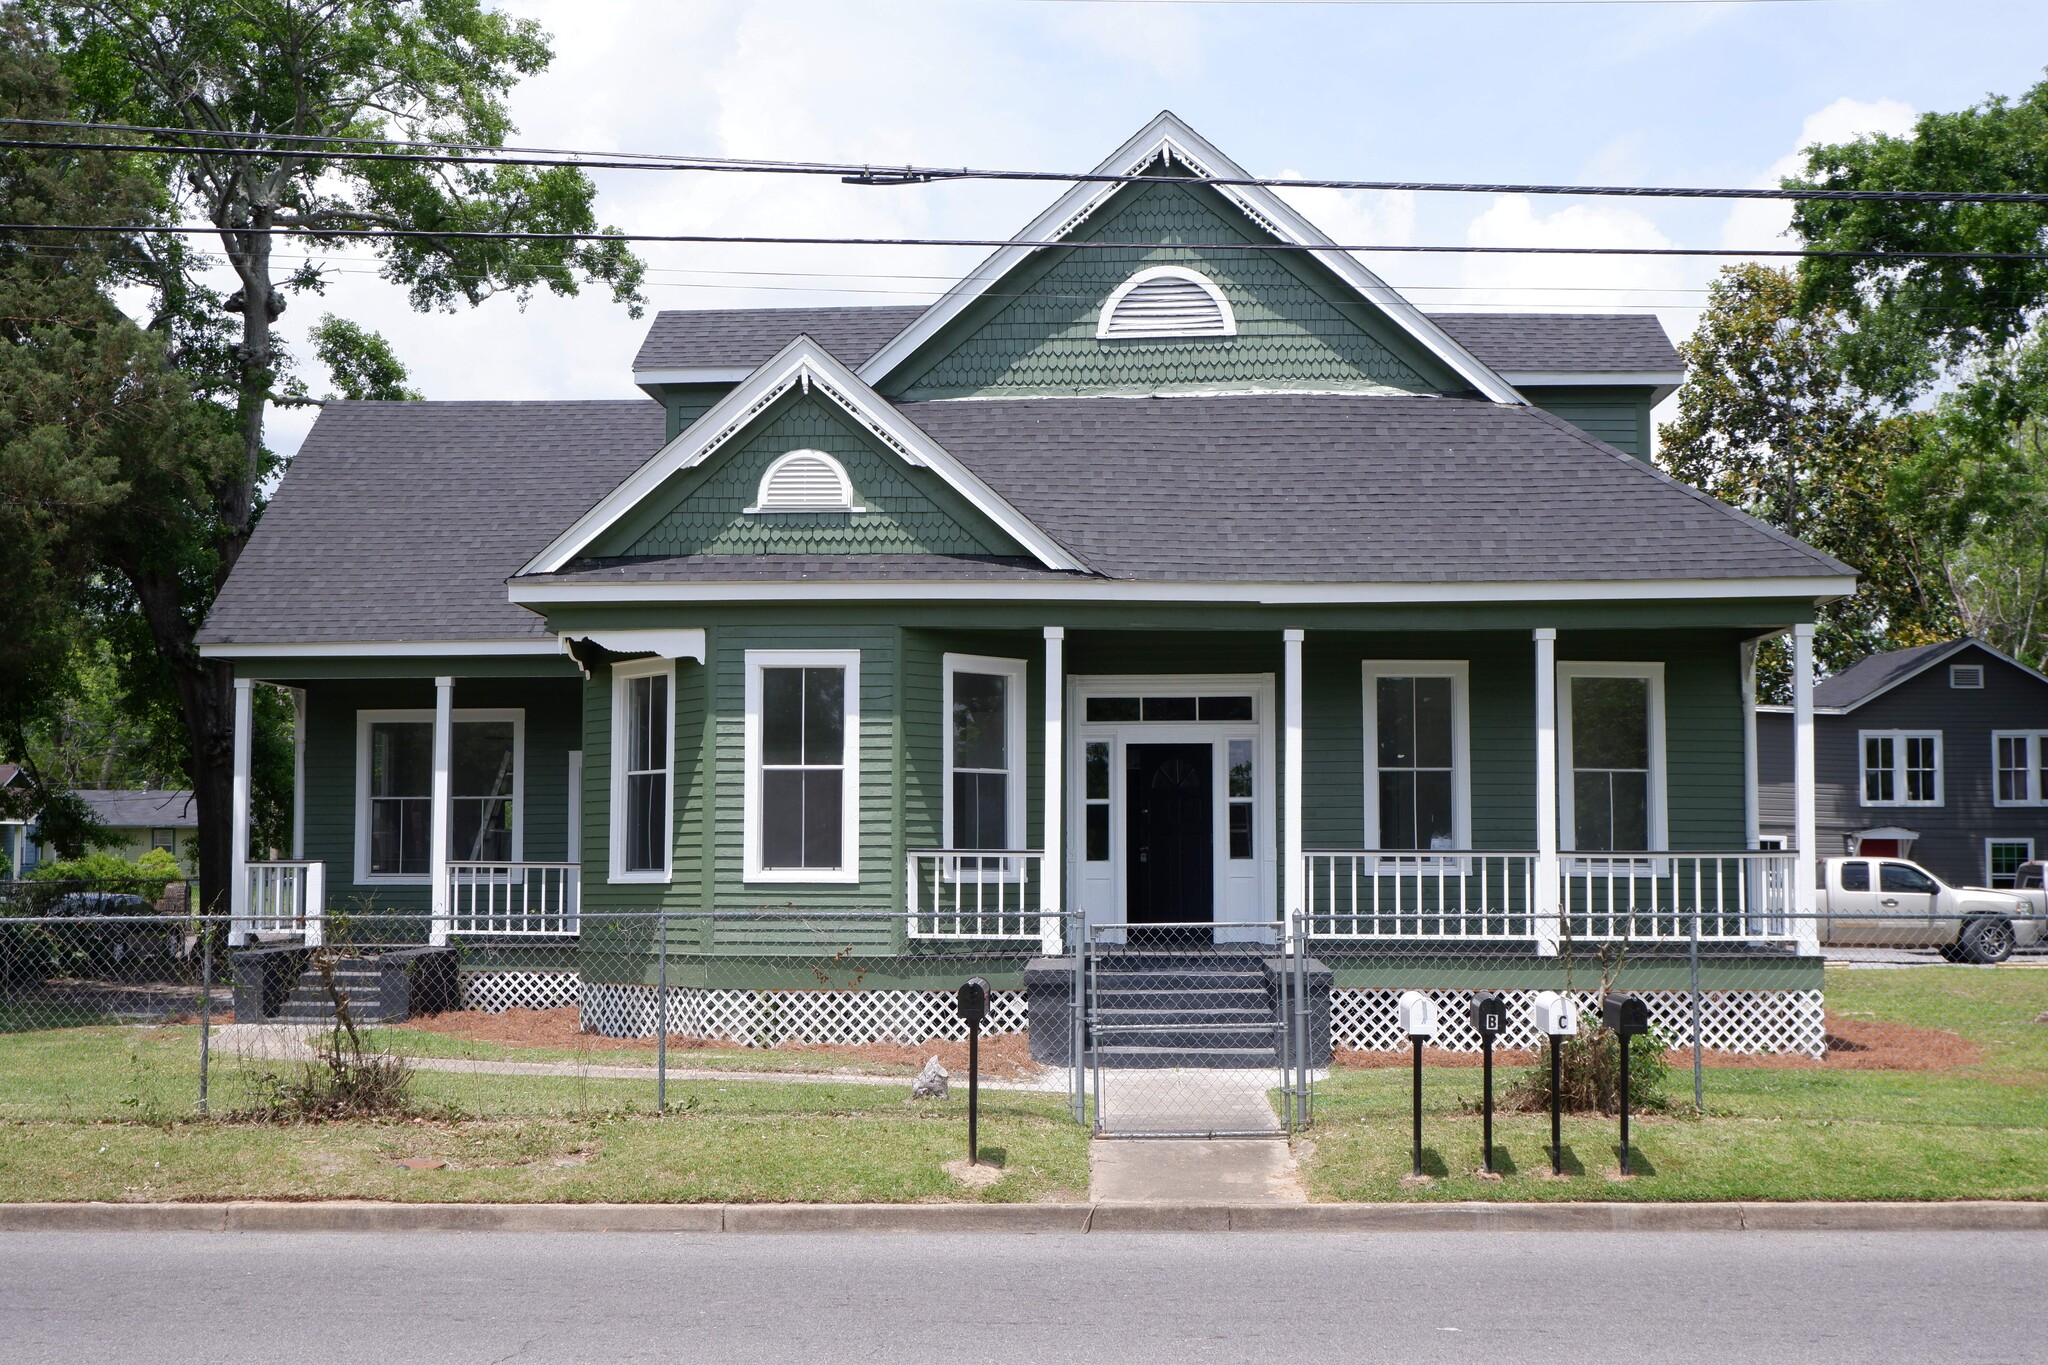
(704, 511)
(1296, 326)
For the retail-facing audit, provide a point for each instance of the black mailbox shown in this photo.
(972, 1001)
(1625, 1014)
(1490, 1016)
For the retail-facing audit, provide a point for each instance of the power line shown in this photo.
(317, 147)
(726, 239)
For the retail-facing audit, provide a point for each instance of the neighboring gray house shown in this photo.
(1937, 753)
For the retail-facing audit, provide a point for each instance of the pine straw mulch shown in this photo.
(1853, 1045)
(1004, 1056)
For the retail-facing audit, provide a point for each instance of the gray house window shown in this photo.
(2019, 762)
(2002, 859)
(1901, 768)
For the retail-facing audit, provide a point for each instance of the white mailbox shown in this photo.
(1555, 1015)
(1417, 1013)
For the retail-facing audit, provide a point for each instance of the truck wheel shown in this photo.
(1951, 952)
(1986, 941)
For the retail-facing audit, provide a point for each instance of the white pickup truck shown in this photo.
(1890, 903)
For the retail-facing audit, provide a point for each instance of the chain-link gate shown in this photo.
(1196, 1030)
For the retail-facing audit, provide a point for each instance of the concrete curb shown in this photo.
(257, 1216)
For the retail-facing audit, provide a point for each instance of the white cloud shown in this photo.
(1762, 222)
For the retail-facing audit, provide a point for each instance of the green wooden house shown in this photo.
(1171, 568)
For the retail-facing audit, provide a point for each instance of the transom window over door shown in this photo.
(1417, 783)
(803, 726)
(984, 705)
(1611, 746)
(395, 769)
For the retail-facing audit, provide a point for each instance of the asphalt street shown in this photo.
(454, 1298)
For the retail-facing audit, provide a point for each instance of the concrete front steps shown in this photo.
(1192, 1009)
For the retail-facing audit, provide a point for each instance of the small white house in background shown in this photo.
(136, 821)
(1938, 754)
(14, 842)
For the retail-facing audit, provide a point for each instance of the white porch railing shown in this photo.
(514, 900)
(284, 898)
(1665, 897)
(1455, 895)
(1463, 895)
(976, 894)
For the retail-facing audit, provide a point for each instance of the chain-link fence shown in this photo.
(119, 1004)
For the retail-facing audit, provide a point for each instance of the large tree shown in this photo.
(1769, 422)
(434, 70)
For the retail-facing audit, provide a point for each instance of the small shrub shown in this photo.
(1589, 1075)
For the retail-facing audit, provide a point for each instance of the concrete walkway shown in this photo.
(1186, 1101)
(1174, 1172)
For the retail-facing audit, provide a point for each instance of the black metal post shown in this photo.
(1486, 1107)
(1418, 1104)
(1624, 1101)
(1556, 1104)
(974, 1093)
(205, 1010)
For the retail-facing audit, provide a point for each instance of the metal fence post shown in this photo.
(1077, 1046)
(205, 1010)
(1699, 1084)
(661, 1018)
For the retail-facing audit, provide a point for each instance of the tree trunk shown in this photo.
(208, 698)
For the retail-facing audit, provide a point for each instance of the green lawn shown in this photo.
(1978, 1131)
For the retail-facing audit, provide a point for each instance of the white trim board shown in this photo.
(802, 365)
(383, 649)
(617, 873)
(1126, 590)
(1168, 136)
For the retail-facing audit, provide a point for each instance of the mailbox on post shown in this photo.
(972, 1002)
(1557, 1018)
(1625, 1017)
(1416, 1013)
(1489, 1020)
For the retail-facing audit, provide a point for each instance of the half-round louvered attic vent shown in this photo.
(805, 481)
(1166, 301)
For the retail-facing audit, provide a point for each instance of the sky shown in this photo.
(1528, 91)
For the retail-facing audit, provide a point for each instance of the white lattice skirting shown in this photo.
(768, 1018)
(1730, 1021)
(496, 992)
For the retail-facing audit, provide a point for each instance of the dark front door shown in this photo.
(1169, 869)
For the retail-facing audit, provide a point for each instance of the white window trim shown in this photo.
(2019, 839)
(1899, 738)
(844, 503)
(365, 719)
(850, 793)
(1013, 747)
(1567, 825)
(2037, 750)
(1158, 272)
(1459, 672)
(621, 728)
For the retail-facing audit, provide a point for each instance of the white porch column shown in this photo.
(442, 821)
(1052, 839)
(238, 837)
(1293, 875)
(1806, 930)
(1546, 894)
(298, 773)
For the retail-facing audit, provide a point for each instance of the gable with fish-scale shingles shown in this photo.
(703, 511)
(1298, 327)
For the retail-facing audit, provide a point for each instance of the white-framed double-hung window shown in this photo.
(1900, 767)
(395, 791)
(802, 805)
(1610, 745)
(1418, 779)
(2019, 767)
(643, 770)
(984, 714)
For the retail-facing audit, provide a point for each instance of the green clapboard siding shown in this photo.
(551, 731)
(1619, 416)
(1298, 326)
(702, 511)
(687, 402)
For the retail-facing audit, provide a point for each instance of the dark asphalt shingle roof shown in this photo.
(1865, 678)
(1563, 343)
(401, 521)
(136, 809)
(750, 336)
(751, 568)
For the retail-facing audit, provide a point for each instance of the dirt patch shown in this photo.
(1004, 1056)
(1853, 1045)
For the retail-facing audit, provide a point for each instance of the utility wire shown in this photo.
(726, 239)
(316, 147)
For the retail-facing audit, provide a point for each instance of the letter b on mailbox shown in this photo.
(1490, 1016)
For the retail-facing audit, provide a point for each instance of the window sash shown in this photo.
(397, 774)
(1415, 755)
(802, 798)
(2019, 761)
(2009, 853)
(643, 772)
(1611, 771)
(1901, 767)
(983, 725)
